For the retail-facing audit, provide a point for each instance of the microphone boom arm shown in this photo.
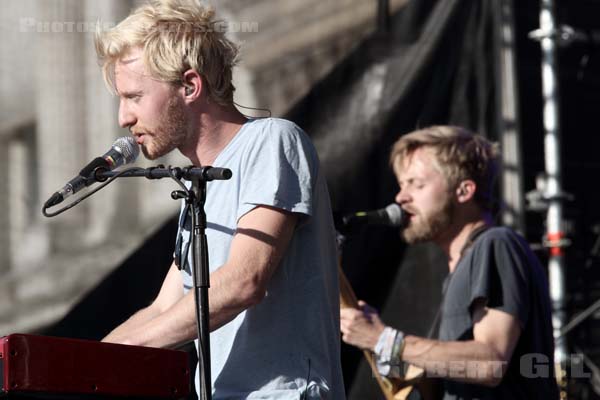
(101, 174)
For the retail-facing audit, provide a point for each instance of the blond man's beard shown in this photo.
(171, 132)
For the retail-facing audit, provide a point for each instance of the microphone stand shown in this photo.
(195, 199)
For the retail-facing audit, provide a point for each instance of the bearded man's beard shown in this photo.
(170, 133)
(429, 227)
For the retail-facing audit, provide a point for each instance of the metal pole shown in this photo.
(555, 239)
(201, 278)
(508, 116)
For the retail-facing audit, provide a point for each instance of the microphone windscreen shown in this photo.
(127, 146)
(395, 214)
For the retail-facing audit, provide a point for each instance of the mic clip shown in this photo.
(150, 170)
(179, 194)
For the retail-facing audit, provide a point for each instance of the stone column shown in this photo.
(61, 112)
(18, 186)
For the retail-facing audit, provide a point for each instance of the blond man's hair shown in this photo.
(460, 155)
(175, 35)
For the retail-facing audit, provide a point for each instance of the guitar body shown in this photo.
(415, 384)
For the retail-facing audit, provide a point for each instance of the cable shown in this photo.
(79, 200)
(253, 108)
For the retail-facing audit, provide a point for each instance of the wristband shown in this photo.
(388, 352)
(397, 349)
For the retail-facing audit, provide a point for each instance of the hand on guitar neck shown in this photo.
(392, 388)
(361, 327)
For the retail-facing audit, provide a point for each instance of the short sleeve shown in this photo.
(501, 276)
(279, 169)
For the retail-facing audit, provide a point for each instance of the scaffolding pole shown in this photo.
(555, 237)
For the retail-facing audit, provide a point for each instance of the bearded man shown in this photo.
(495, 313)
(271, 240)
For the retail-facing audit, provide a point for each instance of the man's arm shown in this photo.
(482, 360)
(132, 330)
(261, 239)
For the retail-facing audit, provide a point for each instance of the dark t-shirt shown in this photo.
(500, 269)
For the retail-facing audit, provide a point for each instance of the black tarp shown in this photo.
(434, 66)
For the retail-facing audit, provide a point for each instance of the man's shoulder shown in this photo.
(279, 132)
(502, 241)
(502, 233)
(275, 125)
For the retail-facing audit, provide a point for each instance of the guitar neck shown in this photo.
(348, 299)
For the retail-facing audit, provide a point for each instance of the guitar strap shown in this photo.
(435, 326)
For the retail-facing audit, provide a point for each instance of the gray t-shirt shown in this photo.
(287, 346)
(501, 269)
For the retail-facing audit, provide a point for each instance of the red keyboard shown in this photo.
(31, 365)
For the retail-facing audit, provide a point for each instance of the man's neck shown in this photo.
(456, 237)
(215, 128)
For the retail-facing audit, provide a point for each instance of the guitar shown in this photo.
(392, 388)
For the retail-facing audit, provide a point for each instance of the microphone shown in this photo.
(392, 215)
(123, 151)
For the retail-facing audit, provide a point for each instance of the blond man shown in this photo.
(495, 312)
(273, 298)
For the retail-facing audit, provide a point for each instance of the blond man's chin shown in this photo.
(149, 153)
